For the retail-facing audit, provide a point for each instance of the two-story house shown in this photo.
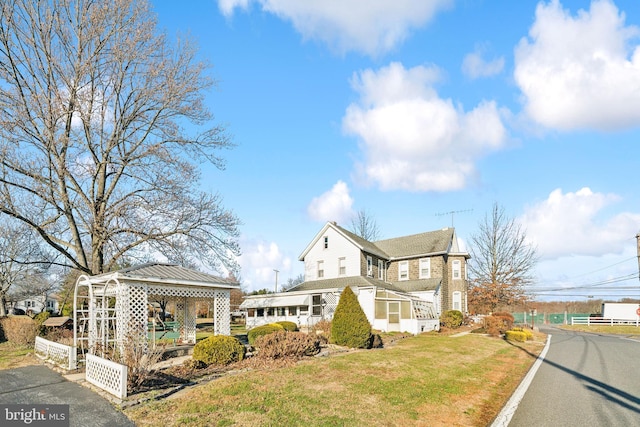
(402, 284)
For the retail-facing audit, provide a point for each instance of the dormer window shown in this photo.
(326, 242)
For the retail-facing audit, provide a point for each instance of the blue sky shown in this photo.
(410, 109)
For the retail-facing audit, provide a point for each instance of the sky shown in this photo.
(425, 114)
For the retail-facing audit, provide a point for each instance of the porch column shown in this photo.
(222, 312)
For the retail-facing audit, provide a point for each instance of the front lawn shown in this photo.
(16, 356)
(425, 380)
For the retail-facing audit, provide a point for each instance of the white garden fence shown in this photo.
(602, 321)
(109, 376)
(59, 354)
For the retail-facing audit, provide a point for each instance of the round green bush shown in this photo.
(288, 326)
(259, 331)
(219, 350)
(350, 326)
(452, 319)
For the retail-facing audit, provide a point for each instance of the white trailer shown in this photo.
(620, 311)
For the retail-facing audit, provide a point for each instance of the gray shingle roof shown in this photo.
(419, 285)
(172, 272)
(366, 245)
(342, 282)
(417, 244)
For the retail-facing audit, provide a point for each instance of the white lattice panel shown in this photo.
(131, 314)
(107, 375)
(331, 303)
(222, 312)
(181, 291)
(189, 325)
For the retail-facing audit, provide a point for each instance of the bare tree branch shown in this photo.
(365, 226)
(501, 263)
(102, 127)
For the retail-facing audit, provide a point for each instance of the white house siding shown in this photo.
(366, 298)
(338, 247)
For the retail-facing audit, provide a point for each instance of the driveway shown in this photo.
(39, 385)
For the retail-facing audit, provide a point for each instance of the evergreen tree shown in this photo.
(350, 326)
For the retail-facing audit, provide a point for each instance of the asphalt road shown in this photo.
(38, 385)
(585, 380)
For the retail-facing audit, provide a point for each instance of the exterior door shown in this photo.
(394, 316)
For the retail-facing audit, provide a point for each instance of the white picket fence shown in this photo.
(603, 321)
(106, 374)
(62, 355)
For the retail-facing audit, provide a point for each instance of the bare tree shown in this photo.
(18, 247)
(501, 263)
(102, 127)
(365, 226)
(293, 282)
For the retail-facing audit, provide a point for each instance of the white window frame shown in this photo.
(403, 267)
(320, 271)
(456, 269)
(456, 300)
(342, 266)
(380, 269)
(369, 266)
(425, 264)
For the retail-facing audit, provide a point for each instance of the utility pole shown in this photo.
(277, 271)
(453, 213)
(638, 252)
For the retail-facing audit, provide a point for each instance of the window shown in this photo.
(403, 270)
(50, 304)
(457, 300)
(281, 311)
(369, 266)
(293, 311)
(456, 269)
(380, 269)
(316, 305)
(326, 242)
(320, 269)
(425, 268)
(342, 268)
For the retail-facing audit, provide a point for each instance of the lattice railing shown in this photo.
(222, 312)
(109, 376)
(59, 354)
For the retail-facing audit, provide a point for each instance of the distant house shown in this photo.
(35, 304)
(402, 284)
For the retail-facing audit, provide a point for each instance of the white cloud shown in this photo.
(411, 138)
(372, 27)
(257, 262)
(474, 65)
(571, 224)
(580, 71)
(333, 205)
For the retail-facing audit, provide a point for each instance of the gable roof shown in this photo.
(432, 242)
(169, 273)
(358, 241)
(419, 285)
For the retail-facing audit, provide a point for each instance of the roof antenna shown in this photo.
(452, 213)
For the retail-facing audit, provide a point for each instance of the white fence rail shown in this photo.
(62, 355)
(603, 321)
(109, 376)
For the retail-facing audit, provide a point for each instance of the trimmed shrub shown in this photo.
(350, 326)
(519, 336)
(527, 332)
(21, 330)
(281, 344)
(507, 320)
(219, 350)
(288, 326)
(259, 331)
(493, 325)
(451, 319)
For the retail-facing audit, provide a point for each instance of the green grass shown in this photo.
(13, 355)
(425, 380)
(604, 329)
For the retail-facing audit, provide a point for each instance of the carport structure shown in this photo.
(111, 310)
